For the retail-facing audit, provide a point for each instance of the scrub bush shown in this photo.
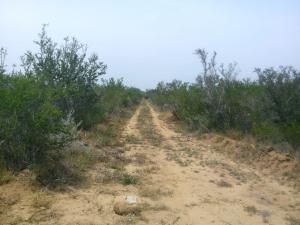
(268, 107)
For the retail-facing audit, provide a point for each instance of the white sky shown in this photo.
(149, 41)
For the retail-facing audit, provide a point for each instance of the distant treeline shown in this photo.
(56, 92)
(268, 108)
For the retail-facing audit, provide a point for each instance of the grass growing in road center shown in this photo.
(148, 131)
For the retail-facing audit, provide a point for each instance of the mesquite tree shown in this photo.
(68, 69)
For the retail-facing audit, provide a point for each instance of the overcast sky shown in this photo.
(149, 41)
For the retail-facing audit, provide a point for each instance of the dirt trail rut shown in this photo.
(181, 180)
(198, 186)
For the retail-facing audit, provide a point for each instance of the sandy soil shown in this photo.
(181, 181)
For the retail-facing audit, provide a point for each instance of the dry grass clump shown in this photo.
(223, 183)
(139, 158)
(66, 168)
(41, 199)
(191, 152)
(154, 193)
(110, 175)
(148, 169)
(154, 207)
(106, 175)
(178, 158)
(233, 171)
(251, 210)
(132, 139)
(5, 176)
(108, 133)
(111, 167)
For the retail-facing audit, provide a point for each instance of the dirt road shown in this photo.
(205, 187)
(179, 180)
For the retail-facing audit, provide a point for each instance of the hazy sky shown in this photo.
(149, 41)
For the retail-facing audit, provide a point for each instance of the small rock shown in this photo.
(131, 199)
(223, 183)
(125, 208)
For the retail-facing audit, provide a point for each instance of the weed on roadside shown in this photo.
(5, 176)
(154, 193)
(128, 179)
(41, 199)
(251, 210)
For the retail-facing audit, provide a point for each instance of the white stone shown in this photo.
(131, 199)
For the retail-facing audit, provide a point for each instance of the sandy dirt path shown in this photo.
(199, 186)
(181, 180)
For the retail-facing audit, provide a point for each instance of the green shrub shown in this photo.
(67, 69)
(291, 133)
(5, 176)
(268, 108)
(267, 130)
(115, 96)
(40, 107)
(63, 168)
(31, 124)
(128, 180)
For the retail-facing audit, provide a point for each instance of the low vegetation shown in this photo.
(267, 108)
(129, 179)
(56, 93)
(148, 130)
